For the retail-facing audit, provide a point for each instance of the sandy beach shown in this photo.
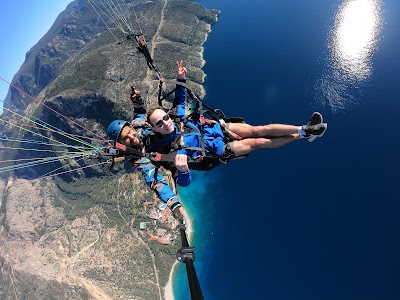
(168, 292)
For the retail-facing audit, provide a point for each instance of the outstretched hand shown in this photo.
(136, 98)
(181, 70)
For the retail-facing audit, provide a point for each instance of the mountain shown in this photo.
(78, 235)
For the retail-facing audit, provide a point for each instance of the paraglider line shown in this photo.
(65, 172)
(48, 107)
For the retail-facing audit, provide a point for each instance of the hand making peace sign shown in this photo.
(181, 70)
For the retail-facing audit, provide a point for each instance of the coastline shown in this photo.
(203, 61)
(168, 290)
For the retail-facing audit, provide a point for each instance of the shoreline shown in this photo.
(168, 290)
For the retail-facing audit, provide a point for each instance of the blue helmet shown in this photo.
(114, 129)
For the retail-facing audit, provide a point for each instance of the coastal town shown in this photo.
(161, 217)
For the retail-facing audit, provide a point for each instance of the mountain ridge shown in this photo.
(78, 236)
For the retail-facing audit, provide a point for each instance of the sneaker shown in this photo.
(314, 131)
(310, 137)
(316, 118)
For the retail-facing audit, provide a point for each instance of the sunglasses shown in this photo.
(160, 123)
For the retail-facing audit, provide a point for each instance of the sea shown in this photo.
(312, 221)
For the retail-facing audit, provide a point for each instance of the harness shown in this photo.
(202, 162)
(166, 153)
(215, 116)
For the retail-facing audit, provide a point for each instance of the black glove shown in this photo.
(176, 211)
(136, 98)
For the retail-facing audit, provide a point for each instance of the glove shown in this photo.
(136, 98)
(177, 211)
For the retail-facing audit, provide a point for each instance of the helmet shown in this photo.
(114, 129)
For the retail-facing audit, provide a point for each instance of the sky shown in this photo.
(22, 24)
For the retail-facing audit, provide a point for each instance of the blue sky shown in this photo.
(22, 24)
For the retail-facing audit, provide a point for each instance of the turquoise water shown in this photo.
(199, 201)
(307, 221)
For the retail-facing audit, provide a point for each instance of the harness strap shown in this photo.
(207, 162)
(231, 133)
(125, 151)
(202, 120)
(170, 157)
(194, 132)
(160, 97)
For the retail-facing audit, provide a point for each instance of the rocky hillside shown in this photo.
(82, 235)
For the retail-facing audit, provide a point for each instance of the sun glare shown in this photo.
(354, 37)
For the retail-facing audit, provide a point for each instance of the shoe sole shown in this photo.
(311, 139)
(316, 119)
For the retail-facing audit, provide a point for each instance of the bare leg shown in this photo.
(245, 146)
(270, 130)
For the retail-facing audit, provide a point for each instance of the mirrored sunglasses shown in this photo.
(160, 123)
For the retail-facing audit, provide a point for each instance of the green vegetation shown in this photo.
(185, 12)
(165, 256)
(84, 193)
(88, 76)
(3, 210)
(77, 59)
(129, 194)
